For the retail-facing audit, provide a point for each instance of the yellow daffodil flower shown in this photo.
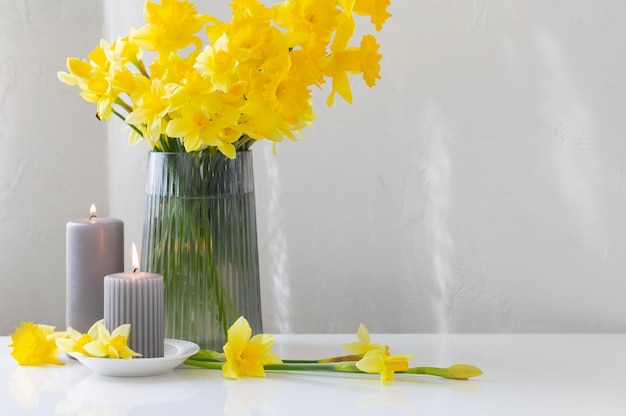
(128, 50)
(110, 344)
(259, 120)
(343, 59)
(151, 110)
(249, 40)
(370, 60)
(76, 341)
(364, 345)
(196, 127)
(307, 20)
(218, 64)
(171, 25)
(377, 9)
(380, 362)
(349, 59)
(80, 71)
(34, 344)
(250, 8)
(246, 355)
(286, 92)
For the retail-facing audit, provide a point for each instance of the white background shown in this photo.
(479, 187)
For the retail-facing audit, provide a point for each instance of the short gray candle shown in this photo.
(94, 248)
(137, 299)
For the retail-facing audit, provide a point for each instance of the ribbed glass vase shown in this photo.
(199, 232)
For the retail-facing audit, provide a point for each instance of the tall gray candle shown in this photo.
(94, 248)
(137, 299)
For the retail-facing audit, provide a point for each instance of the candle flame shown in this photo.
(92, 213)
(135, 258)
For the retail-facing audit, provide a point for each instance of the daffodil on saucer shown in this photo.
(176, 352)
(107, 353)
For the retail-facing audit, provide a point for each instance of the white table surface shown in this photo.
(538, 374)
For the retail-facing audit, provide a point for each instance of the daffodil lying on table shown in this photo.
(244, 355)
(247, 355)
(37, 344)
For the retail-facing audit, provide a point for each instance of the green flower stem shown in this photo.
(124, 119)
(208, 355)
(214, 360)
(244, 142)
(124, 105)
(211, 365)
(340, 368)
(449, 373)
(340, 359)
(169, 145)
(455, 372)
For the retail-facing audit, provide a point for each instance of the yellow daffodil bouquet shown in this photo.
(252, 80)
(206, 89)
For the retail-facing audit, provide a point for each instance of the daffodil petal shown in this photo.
(263, 341)
(95, 349)
(93, 330)
(230, 371)
(239, 333)
(65, 344)
(363, 334)
(372, 362)
(73, 334)
(103, 333)
(270, 358)
(123, 330)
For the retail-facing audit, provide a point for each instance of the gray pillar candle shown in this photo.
(94, 248)
(137, 299)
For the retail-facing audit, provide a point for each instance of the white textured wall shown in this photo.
(478, 188)
(52, 153)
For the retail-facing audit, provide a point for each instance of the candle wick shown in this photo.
(92, 217)
(135, 269)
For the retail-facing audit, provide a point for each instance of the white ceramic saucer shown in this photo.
(176, 351)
